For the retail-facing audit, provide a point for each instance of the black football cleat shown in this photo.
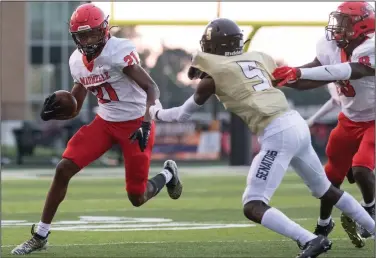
(321, 231)
(315, 247)
(324, 230)
(174, 187)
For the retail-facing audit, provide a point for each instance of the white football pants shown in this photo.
(286, 140)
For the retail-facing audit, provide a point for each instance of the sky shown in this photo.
(295, 45)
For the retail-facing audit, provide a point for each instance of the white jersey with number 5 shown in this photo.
(119, 97)
(357, 97)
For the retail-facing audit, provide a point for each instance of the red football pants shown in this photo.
(351, 144)
(91, 141)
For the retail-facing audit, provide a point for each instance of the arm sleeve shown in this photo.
(333, 72)
(179, 114)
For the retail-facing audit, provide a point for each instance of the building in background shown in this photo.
(13, 60)
(34, 60)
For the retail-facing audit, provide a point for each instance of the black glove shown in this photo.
(194, 73)
(50, 108)
(142, 134)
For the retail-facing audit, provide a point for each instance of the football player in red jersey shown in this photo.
(346, 57)
(109, 68)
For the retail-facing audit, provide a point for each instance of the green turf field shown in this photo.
(96, 219)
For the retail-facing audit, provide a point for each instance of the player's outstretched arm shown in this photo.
(204, 90)
(362, 64)
(310, 78)
(79, 92)
(306, 84)
(298, 84)
(336, 72)
(143, 79)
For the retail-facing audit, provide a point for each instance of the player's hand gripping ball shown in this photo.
(60, 104)
(142, 135)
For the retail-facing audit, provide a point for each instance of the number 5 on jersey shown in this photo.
(251, 71)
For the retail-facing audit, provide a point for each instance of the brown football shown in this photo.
(67, 101)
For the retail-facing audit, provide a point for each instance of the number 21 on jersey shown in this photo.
(251, 71)
(99, 91)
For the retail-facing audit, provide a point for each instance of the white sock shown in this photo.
(43, 229)
(167, 174)
(354, 210)
(275, 220)
(367, 205)
(324, 222)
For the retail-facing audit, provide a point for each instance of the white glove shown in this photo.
(158, 103)
(154, 109)
(310, 122)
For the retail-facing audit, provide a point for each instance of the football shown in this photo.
(67, 101)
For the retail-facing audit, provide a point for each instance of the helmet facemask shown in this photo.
(90, 41)
(340, 28)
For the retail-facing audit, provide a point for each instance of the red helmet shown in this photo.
(352, 20)
(89, 29)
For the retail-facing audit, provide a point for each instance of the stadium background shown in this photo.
(96, 219)
(43, 46)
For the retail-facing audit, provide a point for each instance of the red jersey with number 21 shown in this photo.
(119, 97)
(357, 96)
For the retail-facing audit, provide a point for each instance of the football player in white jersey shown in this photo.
(346, 57)
(109, 68)
(244, 85)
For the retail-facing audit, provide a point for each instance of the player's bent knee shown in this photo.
(320, 188)
(254, 210)
(362, 174)
(136, 199)
(332, 195)
(333, 174)
(136, 188)
(66, 169)
(137, 172)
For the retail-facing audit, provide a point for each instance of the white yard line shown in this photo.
(177, 242)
